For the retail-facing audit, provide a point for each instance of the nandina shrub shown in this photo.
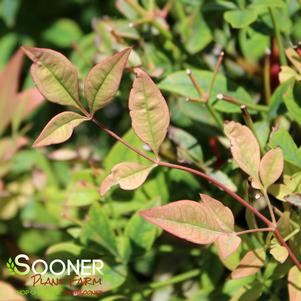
(183, 175)
(201, 222)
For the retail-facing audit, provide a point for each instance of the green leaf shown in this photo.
(291, 152)
(262, 128)
(195, 33)
(141, 233)
(129, 176)
(148, 111)
(250, 264)
(59, 128)
(65, 247)
(126, 9)
(180, 84)
(277, 99)
(55, 76)
(222, 177)
(241, 18)
(253, 43)
(263, 5)
(201, 223)
(113, 276)
(98, 229)
(102, 82)
(291, 103)
(244, 148)
(249, 292)
(120, 152)
(271, 167)
(188, 148)
(82, 193)
(279, 252)
(9, 10)
(8, 43)
(63, 33)
(294, 284)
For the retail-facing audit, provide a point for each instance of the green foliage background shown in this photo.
(50, 205)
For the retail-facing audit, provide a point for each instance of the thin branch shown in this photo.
(231, 193)
(215, 73)
(267, 199)
(187, 169)
(204, 98)
(197, 86)
(255, 231)
(238, 102)
(290, 252)
(222, 187)
(112, 134)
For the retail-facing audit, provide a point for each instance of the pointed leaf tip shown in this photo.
(244, 148)
(54, 75)
(103, 80)
(271, 167)
(201, 223)
(148, 110)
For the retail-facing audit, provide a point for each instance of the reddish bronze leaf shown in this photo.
(148, 110)
(9, 82)
(294, 284)
(55, 76)
(250, 264)
(103, 80)
(244, 148)
(129, 175)
(202, 223)
(271, 167)
(59, 128)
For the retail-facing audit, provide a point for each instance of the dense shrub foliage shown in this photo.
(159, 138)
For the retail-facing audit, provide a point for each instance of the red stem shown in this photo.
(290, 251)
(271, 226)
(222, 187)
